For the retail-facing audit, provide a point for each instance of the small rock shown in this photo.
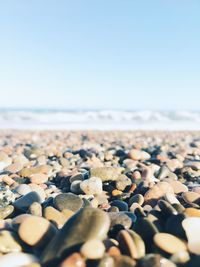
(68, 201)
(93, 249)
(92, 186)
(17, 259)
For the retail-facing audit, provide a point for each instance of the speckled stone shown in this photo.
(106, 173)
(68, 201)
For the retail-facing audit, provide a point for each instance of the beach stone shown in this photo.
(93, 249)
(106, 173)
(196, 189)
(181, 257)
(6, 211)
(68, 201)
(38, 178)
(192, 212)
(75, 187)
(120, 218)
(5, 161)
(8, 242)
(156, 192)
(92, 186)
(24, 202)
(6, 196)
(169, 243)
(74, 260)
(138, 198)
(14, 167)
(22, 189)
(17, 259)
(16, 221)
(171, 198)
(192, 229)
(135, 154)
(55, 216)
(34, 230)
(131, 244)
(27, 172)
(39, 190)
(67, 214)
(96, 225)
(191, 197)
(155, 260)
(122, 182)
(35, 209)
(121, 205)
(178, 187)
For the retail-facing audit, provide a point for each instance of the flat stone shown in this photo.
(120, 218)
(8, 242)
(23, 189)
(156, 192)
(68, 201)
(24, 202)
(96, 225)
(34, 230)
(178, 187)
(169, 243)
(192, 229)
(135, 154)
(38, 178)
(106, 173)
(14, 167)
(54, 216)
(138, 198)
(122, 182)
(6, 211)
(17, 259)
(124, 261)
(93, 249)
(92, 186)
(131, 244)
(191, 197)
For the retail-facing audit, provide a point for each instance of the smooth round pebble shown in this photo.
(93, 249)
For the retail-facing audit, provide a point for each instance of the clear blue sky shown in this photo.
(122, 54)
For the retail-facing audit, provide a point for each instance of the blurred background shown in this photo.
(100, 64)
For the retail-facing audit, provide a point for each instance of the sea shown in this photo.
(55, 119)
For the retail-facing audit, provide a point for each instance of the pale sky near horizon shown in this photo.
(121, 54)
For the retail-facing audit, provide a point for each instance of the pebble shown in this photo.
(169, 243)
(55, 216)
(34, 230)
(24, 202)
(22, 189)
(93, 249)
(139, 155)
(5, 161)
(96, 226)
(38, 178)
(131, 244)
(120, 218)
(8, 242)
(17, 259)
(68, 201)
(35, 209)
(6, 211)
(122, 182)
(92, 186)
(121, 205)
(106, 173)
(192, 229)
(6, 196)
(191, 197)
(192, 212)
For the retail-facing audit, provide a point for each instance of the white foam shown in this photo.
(100, 120)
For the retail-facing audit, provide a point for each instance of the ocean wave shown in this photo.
(103, 119)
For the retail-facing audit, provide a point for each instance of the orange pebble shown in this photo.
(116, 192)
(133, 187)
(114, 251)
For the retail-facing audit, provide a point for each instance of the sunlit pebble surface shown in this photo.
(105, 199)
